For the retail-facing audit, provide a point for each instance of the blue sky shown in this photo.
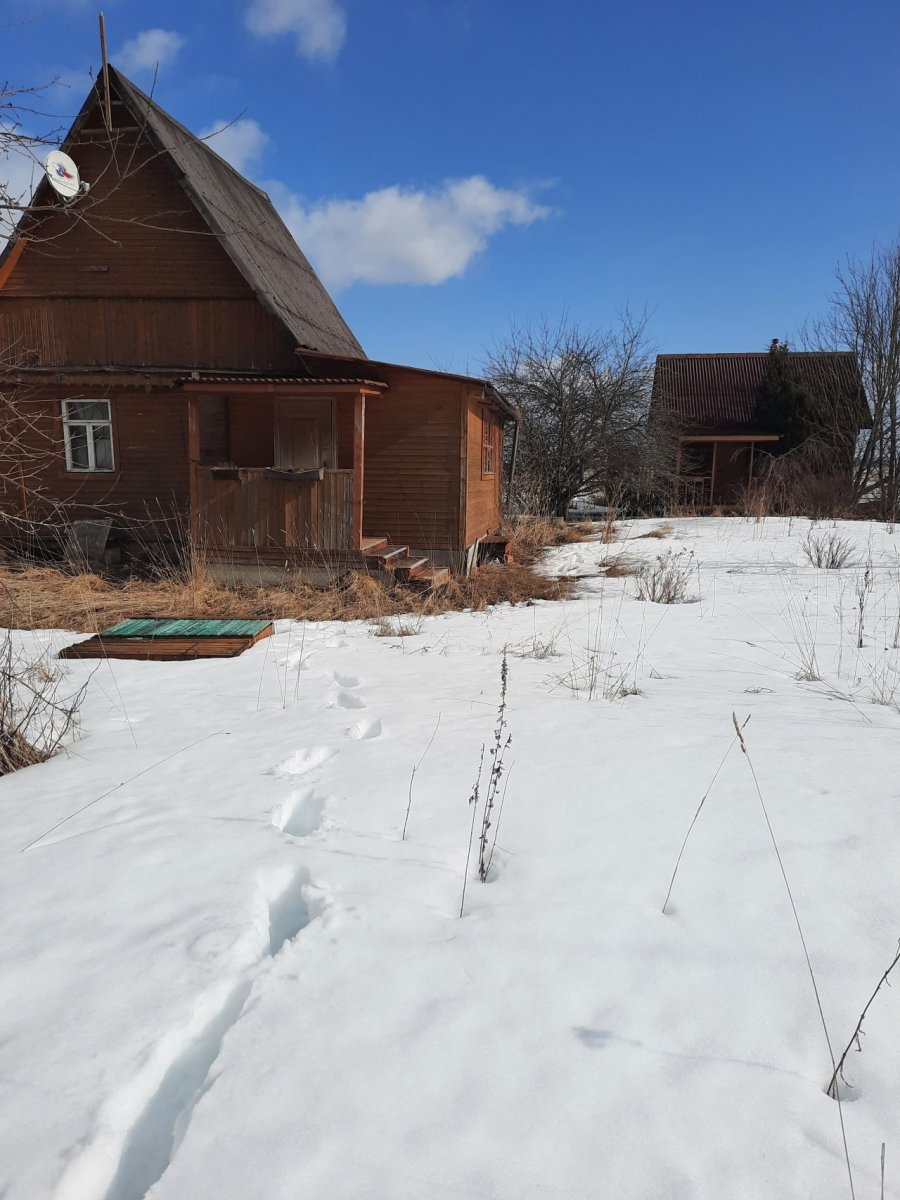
(452, 165)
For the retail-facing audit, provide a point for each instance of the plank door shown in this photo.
(304, 434)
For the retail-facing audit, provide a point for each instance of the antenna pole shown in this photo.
(107, 103)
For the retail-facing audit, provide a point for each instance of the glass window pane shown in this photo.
(78, 448)
(87, 410)
(103, 459)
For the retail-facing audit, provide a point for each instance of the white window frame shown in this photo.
(69, 423)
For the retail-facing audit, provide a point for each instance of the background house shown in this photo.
(182, 367)
(723, 427)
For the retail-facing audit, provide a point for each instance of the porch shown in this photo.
(277, 481)
(714, 469)
(277, 468)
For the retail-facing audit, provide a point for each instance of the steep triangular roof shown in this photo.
(244, 220)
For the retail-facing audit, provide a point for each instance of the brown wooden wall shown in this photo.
(137, 240)
(251, 431)
(150, 484)
(412, 462)
(257, 510)
(161, 332)
(482, 492)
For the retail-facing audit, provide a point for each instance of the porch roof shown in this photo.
(199, 380)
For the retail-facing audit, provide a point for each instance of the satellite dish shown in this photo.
(63, 175)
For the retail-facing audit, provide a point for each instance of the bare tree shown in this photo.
(27, 443)
(584, 395)
(25, 133)
(865, 318)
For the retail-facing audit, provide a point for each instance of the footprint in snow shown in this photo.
(140, 1127)
(305, 760)
(365, 730)
(285, 897)
(301, 813)
(346, 700)
(346, 681)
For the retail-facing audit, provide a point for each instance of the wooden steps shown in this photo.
(396, 561)
(429, 578)
(406, 568)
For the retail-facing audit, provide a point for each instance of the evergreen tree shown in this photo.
(784, 405)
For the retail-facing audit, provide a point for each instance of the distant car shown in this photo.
(583, 509)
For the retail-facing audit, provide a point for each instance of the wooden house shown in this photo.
(172, 344)
(712, 405)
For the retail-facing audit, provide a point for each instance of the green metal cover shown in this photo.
(146, 627)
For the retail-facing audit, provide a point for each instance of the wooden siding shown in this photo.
(251, 431)
(482, 492)
(135, 234)
(412, 462)
(159, 332)
(259, 510)
(214, 447)
(148, 489)
(132, 276)
(344, 431)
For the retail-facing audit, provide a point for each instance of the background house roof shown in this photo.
(722, 389)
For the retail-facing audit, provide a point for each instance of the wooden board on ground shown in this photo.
(171, 640)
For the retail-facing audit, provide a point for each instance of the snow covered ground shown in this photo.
(228, 977)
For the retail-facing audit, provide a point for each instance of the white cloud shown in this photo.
(20, 173)
(400, 235)
(319, 26)
(242, 142)
(152, 48)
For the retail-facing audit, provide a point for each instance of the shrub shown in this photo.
(35, 714)
(666, 579)
(826, 549)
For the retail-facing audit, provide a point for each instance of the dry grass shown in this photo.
(620, 567)
(47, 598)
(528, 536)
(662, 531)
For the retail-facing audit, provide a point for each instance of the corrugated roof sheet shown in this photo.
(293, 380)
(148, 627)
(722, 389)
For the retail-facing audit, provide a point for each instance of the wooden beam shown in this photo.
(105, 69)
(193, 415)
(731, 437)
(712, 478)
(12, 258)
(359, 459)
(463, 469)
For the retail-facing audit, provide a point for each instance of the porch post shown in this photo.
(712, 480)
(677, 496)
(193, 420)
(359, 444)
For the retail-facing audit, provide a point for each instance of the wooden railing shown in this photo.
(263, 507)
(693, 491)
